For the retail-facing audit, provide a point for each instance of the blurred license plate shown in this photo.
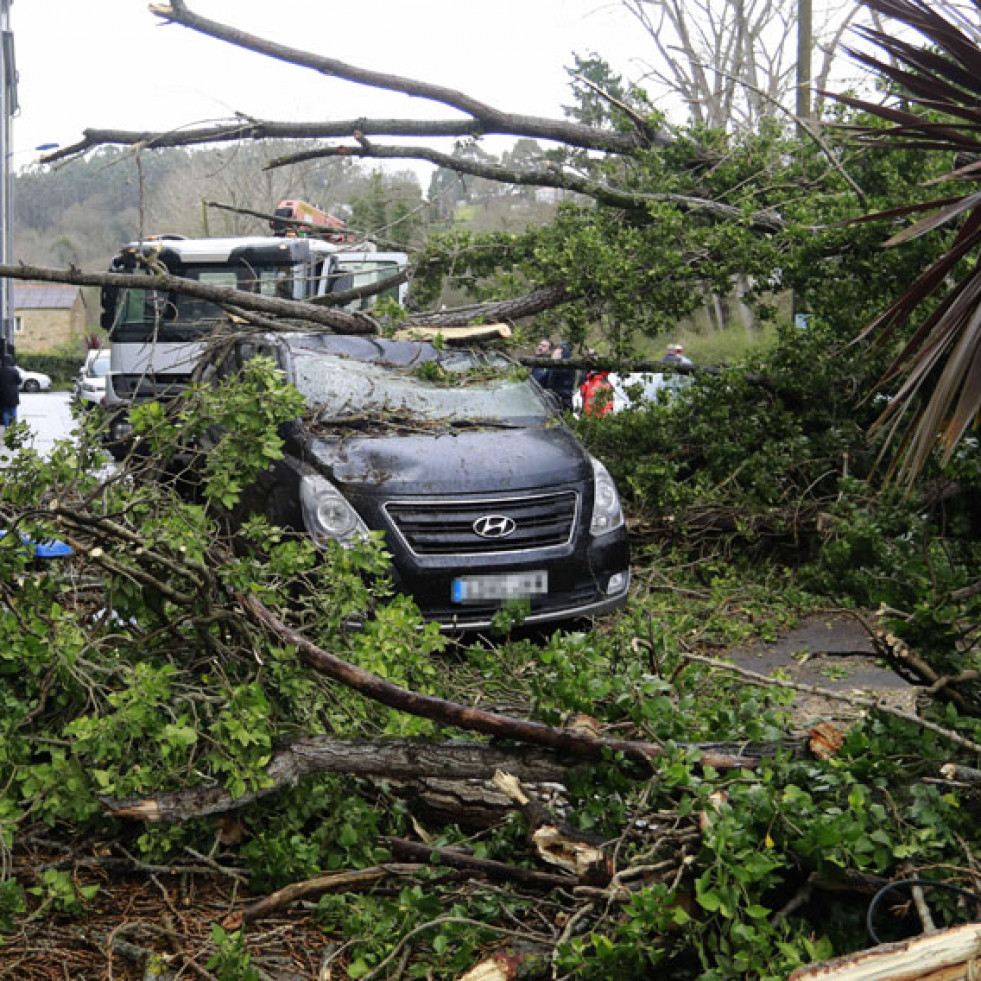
(511, 585)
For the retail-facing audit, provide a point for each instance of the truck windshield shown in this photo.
(152, 309)
(339, 388)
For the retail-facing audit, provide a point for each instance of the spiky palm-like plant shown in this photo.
(939, 368)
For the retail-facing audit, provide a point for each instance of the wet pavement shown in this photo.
(49, 417)
(835, 653)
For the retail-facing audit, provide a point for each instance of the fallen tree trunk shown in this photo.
(340, 321)
(407, 762)
(453, 780)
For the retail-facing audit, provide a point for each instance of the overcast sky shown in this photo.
(113, 64)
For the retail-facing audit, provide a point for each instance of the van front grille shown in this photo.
(517, 524)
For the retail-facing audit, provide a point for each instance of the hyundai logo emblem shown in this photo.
(494, 526)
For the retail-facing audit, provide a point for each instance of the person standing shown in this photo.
(675, 354)
(9, 391)
(562, 381)
(597, 394)
(543, 350)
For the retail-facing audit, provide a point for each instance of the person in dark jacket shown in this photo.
(562, 381)
(544, 350)
(9, 391)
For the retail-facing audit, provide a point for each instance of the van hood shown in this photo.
(485, 461)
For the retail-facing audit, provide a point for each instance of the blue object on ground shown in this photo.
(51, 548)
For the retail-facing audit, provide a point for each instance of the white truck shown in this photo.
(157, 337)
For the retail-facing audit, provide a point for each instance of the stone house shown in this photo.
(47, 317)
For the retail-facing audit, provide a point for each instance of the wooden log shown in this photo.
(405, 762)
(950, 955)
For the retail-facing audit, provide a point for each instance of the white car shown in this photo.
(90, 385)
(33, 381)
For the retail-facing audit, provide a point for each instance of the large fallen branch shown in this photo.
(606, 194)
(489, 119)
(483, 118)
(570, 742)
(341, 321)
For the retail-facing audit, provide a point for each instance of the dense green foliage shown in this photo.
(755, 497)
(146, 679)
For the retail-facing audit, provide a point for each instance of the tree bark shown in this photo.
(407, 761)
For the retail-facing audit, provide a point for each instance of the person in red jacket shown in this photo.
(597, 394)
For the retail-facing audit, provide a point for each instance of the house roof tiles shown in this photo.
(46, 296)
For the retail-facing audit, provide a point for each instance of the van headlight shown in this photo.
(607, 513)
(327, 514)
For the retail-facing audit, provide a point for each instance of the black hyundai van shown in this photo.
(483, 494)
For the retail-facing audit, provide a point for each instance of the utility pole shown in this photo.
(8, 107)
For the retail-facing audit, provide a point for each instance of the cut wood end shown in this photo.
(496, 968)
(233, 922)
(825, 740)
(146, 809)
(578, 857)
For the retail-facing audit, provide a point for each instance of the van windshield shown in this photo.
(339, 388)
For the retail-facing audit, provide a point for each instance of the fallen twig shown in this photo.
(348, 881)
(861, 701)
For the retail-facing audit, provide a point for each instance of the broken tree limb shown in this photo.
(960, 689)
(342, 321)
(566, 741)
(962, 774)
(490, 119)
(606, 194)
(403, 760)
(451, 781)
